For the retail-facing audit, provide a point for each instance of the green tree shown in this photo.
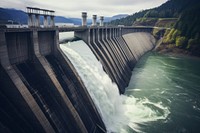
(180, 41)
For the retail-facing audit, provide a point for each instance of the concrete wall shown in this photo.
(118, 49)
(139, 43)
(83, 35)
(42, 87)
(18, 46)
(46, 41)
(15, 89)
(16, 114)
(126, 30)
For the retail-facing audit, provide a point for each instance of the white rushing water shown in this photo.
(117, 111)
(66, 35)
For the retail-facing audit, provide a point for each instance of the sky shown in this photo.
(73, 8)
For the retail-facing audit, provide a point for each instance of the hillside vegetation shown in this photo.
(186, 32)
(158, 22)
(128, 21)
(181, 16)
(170, 9)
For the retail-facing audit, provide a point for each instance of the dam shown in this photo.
(41, 89)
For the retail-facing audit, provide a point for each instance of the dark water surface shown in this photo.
(173, 82)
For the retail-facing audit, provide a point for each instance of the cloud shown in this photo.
(74, 8)
(18, 4)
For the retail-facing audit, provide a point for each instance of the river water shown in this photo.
(175, 83)
(163, 94)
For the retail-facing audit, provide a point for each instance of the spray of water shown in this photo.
(117, 111)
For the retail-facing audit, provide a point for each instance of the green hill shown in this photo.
(128, 21)
(182, 16)
(170, 9)
(186, 33)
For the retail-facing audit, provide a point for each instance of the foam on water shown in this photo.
(117, 111)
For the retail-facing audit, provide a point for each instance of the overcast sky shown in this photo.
(73, 8)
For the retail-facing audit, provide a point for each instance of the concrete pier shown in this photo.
(45, 21)
(94, 20)
(52, 22)
(101, 21)
(84, 18)
(34, 17)
(37, 20)
(30, 20)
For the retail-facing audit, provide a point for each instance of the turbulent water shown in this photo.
(174, 82)
(120, 113)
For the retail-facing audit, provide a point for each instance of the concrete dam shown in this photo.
(41, 91)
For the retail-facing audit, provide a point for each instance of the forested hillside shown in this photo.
(16, 16)
(186, 33)
(182, 16)
(170, 9)
(128, 21)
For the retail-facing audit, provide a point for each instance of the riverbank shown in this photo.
(171, 49)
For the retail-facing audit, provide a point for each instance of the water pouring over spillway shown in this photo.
(51, 95)
(119, 112)
(81, 87)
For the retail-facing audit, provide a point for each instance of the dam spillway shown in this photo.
(118, 50)
(42, 87)
(120, 113)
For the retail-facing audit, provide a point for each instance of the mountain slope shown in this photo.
(14, 15)
(183, 16)
(170, 9)
(128, 21)
(185, 34)
(119, 16)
